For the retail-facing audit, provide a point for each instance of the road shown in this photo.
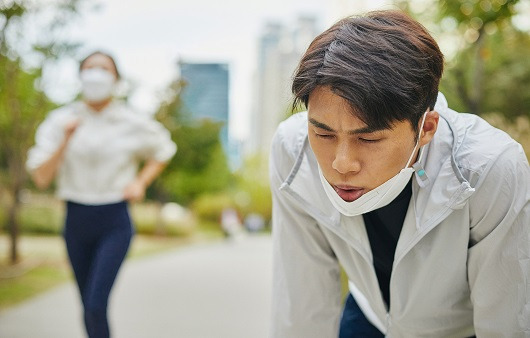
(219, 290)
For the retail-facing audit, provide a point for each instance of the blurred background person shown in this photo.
(93, 148)
(254, 222)
(231, 223)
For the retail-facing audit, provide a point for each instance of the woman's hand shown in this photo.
(70, 128)
(134, 191)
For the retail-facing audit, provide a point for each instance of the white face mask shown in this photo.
(375, 198)
(97, 84)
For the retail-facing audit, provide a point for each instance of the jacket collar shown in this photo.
(445, 190)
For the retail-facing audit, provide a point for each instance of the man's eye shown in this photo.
(367, 140)
(326, 136)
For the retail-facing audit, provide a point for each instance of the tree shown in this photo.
(23, 104)
(487, 68)
(476, 22)
(200, 165)
(253, 182)
(505, 87)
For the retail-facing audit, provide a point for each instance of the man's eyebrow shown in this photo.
(363, 130)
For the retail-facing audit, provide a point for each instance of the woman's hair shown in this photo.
(104, 54)
(384, 64)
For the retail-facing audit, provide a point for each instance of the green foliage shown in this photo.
(42, 214)
(487, 65)
(506, 85)
(23, 104)
(12, 10)
(200, 165)
(250, 193)
(209, 207)
(486, 34)
(253, 189)
(38, 214)
(147, 220)
(478, 12)
(197, 143)
(31, 283)
(44, 263)
(44, 220)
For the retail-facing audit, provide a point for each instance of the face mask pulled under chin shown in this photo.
(375, 198)
(97, 84)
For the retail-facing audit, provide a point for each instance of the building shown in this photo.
(279, 51)
(206, 93)
(206, 96)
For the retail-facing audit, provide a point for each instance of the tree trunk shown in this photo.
(12, 151)
(478, 75)
(462, 87)
(12, 225)
(17, 176)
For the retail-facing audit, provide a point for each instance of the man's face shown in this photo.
(353, 158)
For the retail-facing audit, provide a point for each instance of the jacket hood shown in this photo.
(444, 189)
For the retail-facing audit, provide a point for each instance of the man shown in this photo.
(425, 209)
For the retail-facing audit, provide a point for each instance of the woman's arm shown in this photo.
(46, 172)
(135, 191)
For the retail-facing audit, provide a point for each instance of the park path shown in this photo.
(219, 290)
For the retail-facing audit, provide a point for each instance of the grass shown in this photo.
(41, 278)
(43, 262)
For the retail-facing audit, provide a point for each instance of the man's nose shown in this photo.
(346, 160)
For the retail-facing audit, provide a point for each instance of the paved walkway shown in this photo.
(219, 290)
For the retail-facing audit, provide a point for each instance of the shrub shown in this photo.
(41, 219)
(209, 207)
(149, 219)
(41, 214)
(44, 214)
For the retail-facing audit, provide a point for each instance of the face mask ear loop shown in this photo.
(421, 175)
(417, 141)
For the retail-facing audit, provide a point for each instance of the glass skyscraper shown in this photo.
(206, 94)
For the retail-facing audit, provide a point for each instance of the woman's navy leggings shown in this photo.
(97, 239)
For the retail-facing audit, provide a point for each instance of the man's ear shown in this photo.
(429, 127)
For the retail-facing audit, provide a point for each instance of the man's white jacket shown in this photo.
(462, 262)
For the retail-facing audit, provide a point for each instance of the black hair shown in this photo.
(82, 62)
(384, 64)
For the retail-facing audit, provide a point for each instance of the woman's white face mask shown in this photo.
(377, 197)
(97, 84)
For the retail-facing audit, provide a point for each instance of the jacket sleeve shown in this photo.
(48, 137)
(306, 276)
(499, 257)
(157, 142)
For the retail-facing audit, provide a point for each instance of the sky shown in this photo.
(148, 37)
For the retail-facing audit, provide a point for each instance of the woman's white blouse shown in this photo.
(105, 151)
